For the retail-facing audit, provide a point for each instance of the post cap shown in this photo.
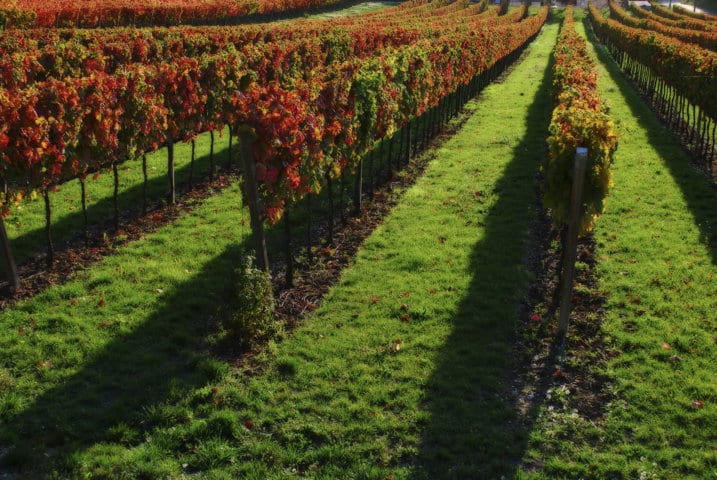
(581, 151)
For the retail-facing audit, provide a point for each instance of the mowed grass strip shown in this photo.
(81, 361)
(657, 248)
(399, 373)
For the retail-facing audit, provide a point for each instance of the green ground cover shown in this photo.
(657, 246)
(362, 7)
(400, 373)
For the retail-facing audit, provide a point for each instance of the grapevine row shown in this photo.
(700, 16)
(132, 111)
(72, 54)
(671, 18)
(703, 38)
(308, 129)
(579, 120)
(46, 137)
(114, 13)
(679, 79)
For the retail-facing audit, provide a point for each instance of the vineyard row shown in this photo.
(308, 125)
(116, 13)
(680, 79)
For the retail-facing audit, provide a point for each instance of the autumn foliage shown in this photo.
(316, 95)
(686, 67)
(579, 120)
(116, 13)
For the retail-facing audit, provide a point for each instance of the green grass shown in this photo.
(657, 246)
(363, 7)
(83, 360)
(26, 223)
(400, 372)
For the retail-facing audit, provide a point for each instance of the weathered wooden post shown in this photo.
(251, 191)
(287, 250)
(48, 228)
(358, 181)
(171, 197)
(571, 243)
(12, 274)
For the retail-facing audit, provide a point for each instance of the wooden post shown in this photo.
(229, 160)
(287, 251)
(211, 154)
(330, 188)
(144, 184)
(309, 215)
(571, 244)
(83, 201)
(407, 158)
(48, 228)
(191, 163)
(171, 198)
(115, 195)
(251, 191)
(357, 188)
(12, 275)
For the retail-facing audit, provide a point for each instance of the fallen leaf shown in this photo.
(405, 317)
(374, 300)
(20, 330)
(405, 294)
(44, 363)
(432, 291)
(159, 291)
(101, 303)
(73, 302)
(249, 424)
(698, 404)
(666, 346)
(404, 307)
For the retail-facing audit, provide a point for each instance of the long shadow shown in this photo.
(699, 192)
(100, 213)
(475, 431)
(160, 360)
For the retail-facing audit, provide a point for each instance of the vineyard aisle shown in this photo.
(657, 251)
(400, 373)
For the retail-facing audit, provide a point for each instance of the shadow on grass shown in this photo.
(475, 431)
(100, 213)
(699, 192)
(161, 360)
